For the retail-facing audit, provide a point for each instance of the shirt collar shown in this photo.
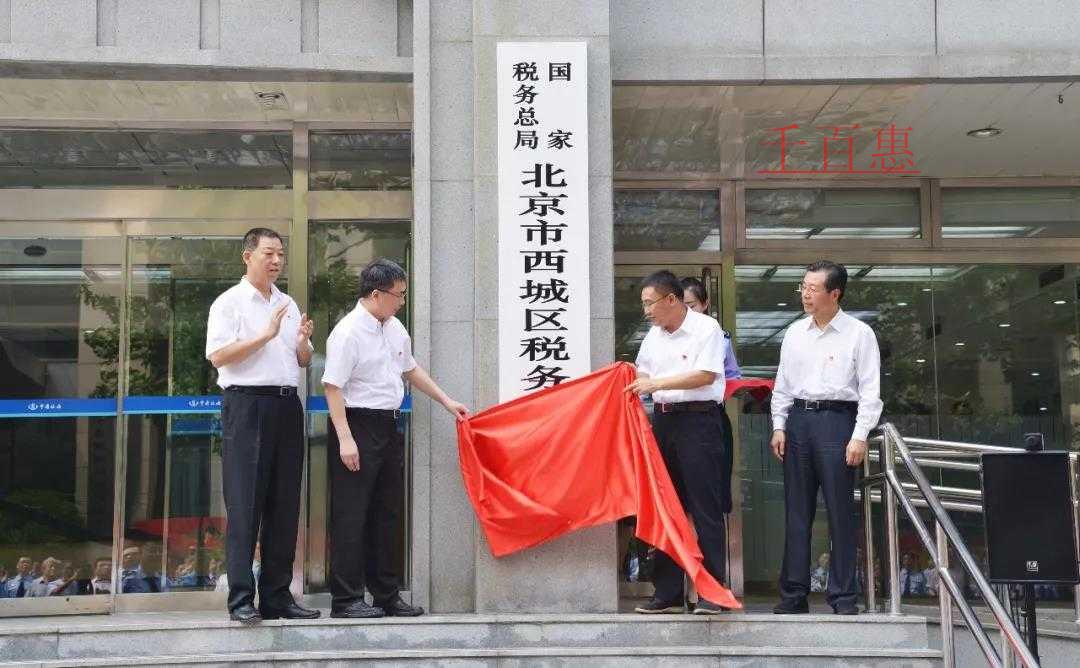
(838, 322)
(684, 326)
(252, 291)
(365, 320)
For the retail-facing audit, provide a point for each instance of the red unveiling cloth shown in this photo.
(759, 388)
(572, 456)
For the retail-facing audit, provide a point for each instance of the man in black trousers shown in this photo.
(681, 364)
(368, 358)
(826, 400)
(258, 341)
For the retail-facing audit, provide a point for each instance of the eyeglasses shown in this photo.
(648, 304)
(399, 296)
(808, 289)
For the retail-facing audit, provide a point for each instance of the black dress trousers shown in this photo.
(692, 445)
(262, 461)
(814, 457)
(366, 509)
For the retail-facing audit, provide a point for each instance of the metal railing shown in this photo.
(912, 454)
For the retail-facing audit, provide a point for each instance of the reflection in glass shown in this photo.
(361, 161)
(174, 516)
(57, 298)
(667, 220)
(1010, 212)
(835, 213)
(337, 252)
(145, 159)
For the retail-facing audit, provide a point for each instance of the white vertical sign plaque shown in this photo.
(543, 172)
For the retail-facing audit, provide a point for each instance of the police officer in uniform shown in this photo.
(826, 400)
(258, 341)
(368, 354)
(681, 364)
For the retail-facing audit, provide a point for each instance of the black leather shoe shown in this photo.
(657, 607)
(358, 610)
(245, 614)
(845, 609)
(704, 607)
(792, 607)
(291, 611)
(396, 607)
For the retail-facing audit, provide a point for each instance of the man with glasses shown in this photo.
(258, 341)
(368, 355)
(826, 400)
(681, 364)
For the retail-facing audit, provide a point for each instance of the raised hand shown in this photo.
(307, 328)
(274, 326)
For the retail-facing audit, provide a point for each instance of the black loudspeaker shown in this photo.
(1029, 518)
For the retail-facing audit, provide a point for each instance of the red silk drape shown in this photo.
(572, 456)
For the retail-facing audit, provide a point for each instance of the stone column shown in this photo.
(577, 573)
(456, 288)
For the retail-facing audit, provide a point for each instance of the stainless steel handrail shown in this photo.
(893, 449)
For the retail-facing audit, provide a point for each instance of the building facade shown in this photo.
(930, 145)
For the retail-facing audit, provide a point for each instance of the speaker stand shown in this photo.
(1030, 619)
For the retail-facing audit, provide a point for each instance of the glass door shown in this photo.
(60, 309)
(173, 512)
(631, 326)
(337, 252)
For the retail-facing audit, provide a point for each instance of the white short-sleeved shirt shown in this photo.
(366, 358)
(840, 363)
(697, 345)
(241, 313)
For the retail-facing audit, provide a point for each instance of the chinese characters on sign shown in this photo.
(891, 155)
(543, 215)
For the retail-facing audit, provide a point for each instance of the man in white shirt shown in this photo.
(19, 584)
(368, 357)
(101, 583)
(681, 364)
(826, 400)
(258, 341)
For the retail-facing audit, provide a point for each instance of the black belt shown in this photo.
(264, 390)
(687, 407)
(393, 413)
(826, 405)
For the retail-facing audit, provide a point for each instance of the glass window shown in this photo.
(337, 251)
(58, 365)
(361, 161)
(1010, 213)
(667, 220)
(834, 213)
(1007, 347)
(145, 159)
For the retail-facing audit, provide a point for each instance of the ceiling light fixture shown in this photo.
(983, 133)
(1060, 302)
(1005, 324)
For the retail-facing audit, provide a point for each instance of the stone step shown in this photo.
(153, 635)
(689, 656)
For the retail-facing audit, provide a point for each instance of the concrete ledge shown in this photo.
(913, 657)
(157, 638)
